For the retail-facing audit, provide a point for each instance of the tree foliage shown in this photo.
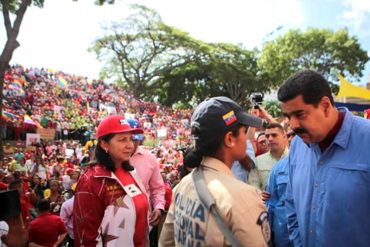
(221, 69)
(142, 48)
(273, 108)
(155, 60)
(331, 53)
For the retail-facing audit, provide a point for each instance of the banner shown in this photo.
(162, 133)
(46, 134)
(347, 89)
(32, 139)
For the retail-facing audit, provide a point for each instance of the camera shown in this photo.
(9, 204)
(257, 99)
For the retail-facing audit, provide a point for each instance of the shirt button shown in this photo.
(316, 185)
(311, 231)
(321, 162)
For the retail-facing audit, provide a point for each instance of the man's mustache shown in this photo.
(300, 130)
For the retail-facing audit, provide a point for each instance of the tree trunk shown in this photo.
(3, 67)
(10, 46)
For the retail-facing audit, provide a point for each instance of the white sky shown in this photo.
(58, 35)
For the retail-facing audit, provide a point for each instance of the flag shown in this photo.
(18, 89)
(38, 124)
(62, 82)
(7, 116)
(28, 120)
(347, 89)
(229, 118)
(17, 83)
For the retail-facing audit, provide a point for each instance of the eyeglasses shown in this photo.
(263, 142)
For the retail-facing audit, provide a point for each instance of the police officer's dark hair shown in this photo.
(308, 83)
(210, 148)
(104, 158)
(43, 205)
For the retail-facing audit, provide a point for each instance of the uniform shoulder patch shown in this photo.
(263, 221)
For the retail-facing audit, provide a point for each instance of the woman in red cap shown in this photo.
(111, 205)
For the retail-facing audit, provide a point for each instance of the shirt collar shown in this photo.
(139, 150)
(217, 165)
(342, 137)
(285, 153)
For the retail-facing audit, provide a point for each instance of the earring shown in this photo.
(232, 144)
(106, 151)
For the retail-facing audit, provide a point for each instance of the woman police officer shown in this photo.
(220, 129)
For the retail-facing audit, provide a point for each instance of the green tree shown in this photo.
(233, 72)
(329, 52)
(140, 49)
(219, 69)
(273, 108)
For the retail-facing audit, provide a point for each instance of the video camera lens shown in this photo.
(257, 99)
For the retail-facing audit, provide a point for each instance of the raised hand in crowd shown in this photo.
(262, 113)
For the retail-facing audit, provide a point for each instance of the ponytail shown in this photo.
(193, 159)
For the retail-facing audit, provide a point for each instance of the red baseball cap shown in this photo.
(115, 124)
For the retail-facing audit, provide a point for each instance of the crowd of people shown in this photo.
(296, 183)
(74, 105)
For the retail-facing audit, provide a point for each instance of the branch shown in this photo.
(7, 23)
(20, 14)
(128, 80)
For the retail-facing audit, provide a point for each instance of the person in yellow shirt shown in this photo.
(91, 144)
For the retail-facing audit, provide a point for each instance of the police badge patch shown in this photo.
(263, 221)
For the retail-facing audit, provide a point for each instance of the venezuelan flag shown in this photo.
(62, 82)
(229, 118)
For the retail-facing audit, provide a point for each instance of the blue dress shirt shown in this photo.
(328, 194)
(238, 170)
(276, 186)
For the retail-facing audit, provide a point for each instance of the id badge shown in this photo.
(132, 190)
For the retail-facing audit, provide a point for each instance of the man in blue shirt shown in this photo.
(328, 194)
(276, 187)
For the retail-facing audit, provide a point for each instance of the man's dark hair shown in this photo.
(104, 158)
(43, 205)
(260, 134)
(15, 183)
(275, 125)
(308, 83)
